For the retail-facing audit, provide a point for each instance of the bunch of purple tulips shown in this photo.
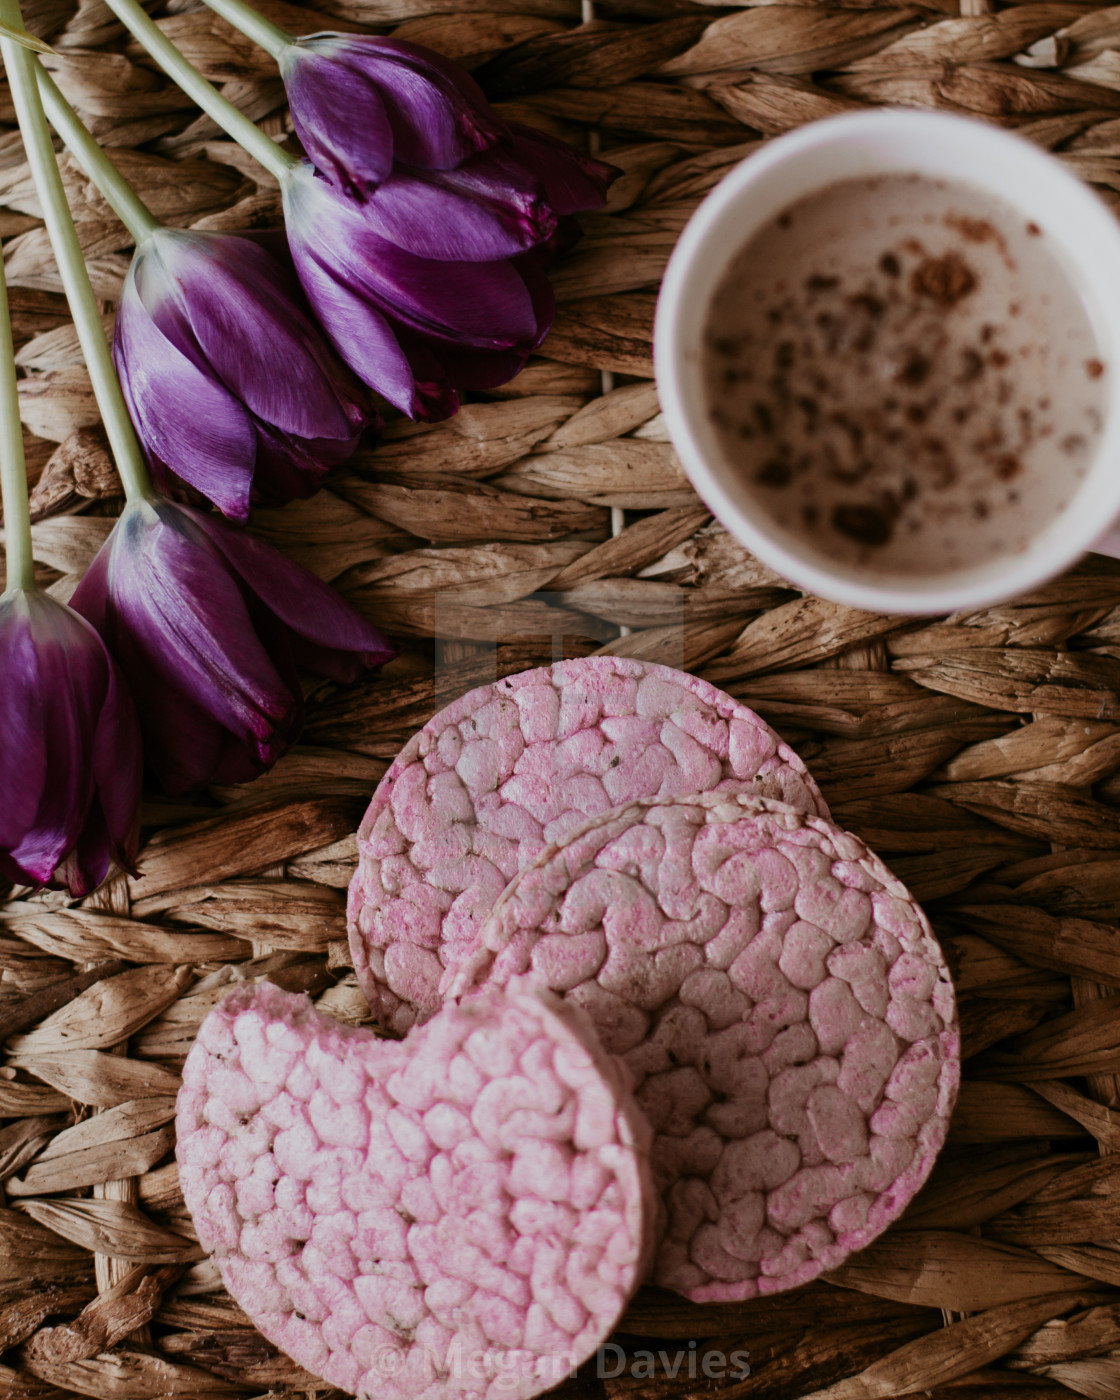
(419, 232)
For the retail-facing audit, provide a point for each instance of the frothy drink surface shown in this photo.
(904, 374)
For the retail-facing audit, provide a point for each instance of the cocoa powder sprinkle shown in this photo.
(946, 280)
(869, 524)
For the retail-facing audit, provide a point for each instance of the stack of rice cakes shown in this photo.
(619, 854)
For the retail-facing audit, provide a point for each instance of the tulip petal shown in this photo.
(23, 748)
(118, 772)
(209, 625)
(186, 419)
(469, 214)
(484, 304)
(87, 864)
(436, 111)
(487, 369)
(339, 117)
(72, 678)
(439, 399)
(499, 178)
(111, 764)
(480, 369)
(187, 749)
(235, 764)
(67, 678)
(362, 335)
(572, 180)
(188, 621)
(310, 608)
(532, 268)
(229, 295)
(367, 342)
(286, 470)
(478, 303)
(181, 741)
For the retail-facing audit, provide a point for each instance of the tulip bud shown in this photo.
(210, 627)
(360, 104)
(422, 225)
(231, 386)
(70, 765)
(390, 312)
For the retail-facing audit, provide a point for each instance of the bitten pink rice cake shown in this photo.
(464, 1213)
(783, 1005)
(492, 779)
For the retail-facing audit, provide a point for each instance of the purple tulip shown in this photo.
(392, 314)
(70, 766)
(360, 104)
(423, 224)
(230, 384)
(210, 626)
(411, 132)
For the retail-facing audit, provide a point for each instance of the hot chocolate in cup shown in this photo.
(888, 353)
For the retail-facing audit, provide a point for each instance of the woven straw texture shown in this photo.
(980, 755)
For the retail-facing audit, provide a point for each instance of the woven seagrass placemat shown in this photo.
(981, 754)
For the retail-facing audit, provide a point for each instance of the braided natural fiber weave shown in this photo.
(981, 755)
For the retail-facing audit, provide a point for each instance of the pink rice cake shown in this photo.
(493, 778)
(464, 1213)
(783, 1005)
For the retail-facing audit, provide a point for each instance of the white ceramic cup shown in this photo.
(1084, 236)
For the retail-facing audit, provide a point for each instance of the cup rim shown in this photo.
(1050, 551)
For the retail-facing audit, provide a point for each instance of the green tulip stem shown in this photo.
(118, 193)
(235, 123)
(20, 65)
(20, 570)
(253, 25)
